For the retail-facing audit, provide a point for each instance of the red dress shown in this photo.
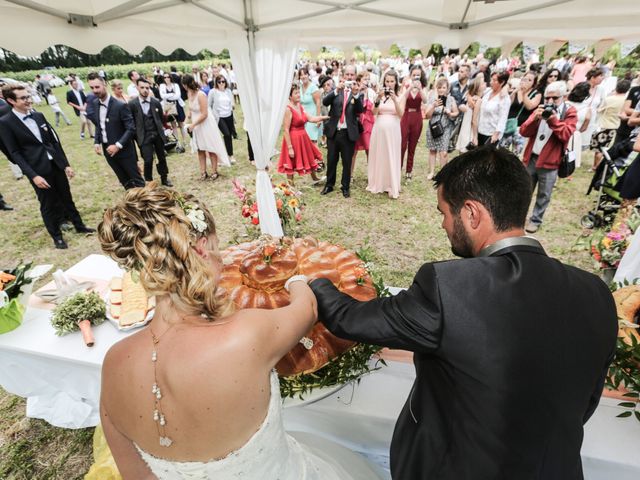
(367, 119)
(306, 154)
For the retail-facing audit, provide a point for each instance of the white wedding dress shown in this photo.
(272, 454)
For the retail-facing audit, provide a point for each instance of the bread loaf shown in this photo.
(252, 279)
(128, 301)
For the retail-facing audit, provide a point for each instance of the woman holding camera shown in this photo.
(415, 96)
(367, 119)
(441, 109)
(384, 170)
(524, 99)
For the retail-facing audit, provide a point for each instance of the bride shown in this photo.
(195, 394)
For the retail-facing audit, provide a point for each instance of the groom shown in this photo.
(511, 347)
(342, 129)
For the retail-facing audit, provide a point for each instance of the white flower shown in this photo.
(196, 216)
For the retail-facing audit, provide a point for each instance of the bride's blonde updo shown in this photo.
(149, 232)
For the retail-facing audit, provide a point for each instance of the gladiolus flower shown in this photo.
(279, 203)
(298, 217)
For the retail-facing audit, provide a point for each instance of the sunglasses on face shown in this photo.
(221, 81)
(553, 97)
(24, 98)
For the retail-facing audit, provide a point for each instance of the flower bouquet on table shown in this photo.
(12, 285)
(79, 312)
(289, 205)
(607, 247)
(624, 371)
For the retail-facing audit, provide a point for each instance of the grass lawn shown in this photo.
(403, 233)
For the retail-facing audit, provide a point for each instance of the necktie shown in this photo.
(344, 104)
(103, 105)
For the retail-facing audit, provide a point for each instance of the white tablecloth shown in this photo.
(60, 378)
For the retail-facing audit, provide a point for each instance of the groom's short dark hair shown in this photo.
(495, 177)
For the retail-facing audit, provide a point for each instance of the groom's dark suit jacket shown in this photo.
(26, 150)
(353, 108)
(511, 351)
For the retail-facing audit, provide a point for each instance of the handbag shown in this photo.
(169, 108)
(512, 126)
(436, 128)
(567, 162)
(512, 123)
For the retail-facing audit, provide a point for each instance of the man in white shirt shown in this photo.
(78, 101)
(132, 89)
(35, 147)
(115, 130)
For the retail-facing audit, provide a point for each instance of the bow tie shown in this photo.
(27, 117)
(103, 105)
(145, 101)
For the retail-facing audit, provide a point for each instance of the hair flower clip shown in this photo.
(196, 216)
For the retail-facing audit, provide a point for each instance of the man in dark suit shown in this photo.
(34, 146)
(15, 169)
(342, 129)
(147, 115)
(511, 347)
(115, 130)
(77, 100)
(4, 109)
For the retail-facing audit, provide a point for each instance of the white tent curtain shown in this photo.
(264, 66)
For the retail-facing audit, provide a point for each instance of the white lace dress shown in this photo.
(272, 454)
(206, 135)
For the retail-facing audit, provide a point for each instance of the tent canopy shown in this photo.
(30, 26)
(263, 37)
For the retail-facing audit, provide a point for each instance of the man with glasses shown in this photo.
(35, 147)
(549, 129)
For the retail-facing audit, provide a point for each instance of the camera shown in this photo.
(443, 99)
(387, 91)
(348, 84)
(548, 111)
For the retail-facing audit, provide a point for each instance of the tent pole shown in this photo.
(553, 3)
(38, 7)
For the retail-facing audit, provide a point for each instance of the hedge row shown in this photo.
(112, 71)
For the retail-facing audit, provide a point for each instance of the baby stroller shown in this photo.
(607, 178)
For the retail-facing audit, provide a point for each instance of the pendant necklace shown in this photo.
(158, 413)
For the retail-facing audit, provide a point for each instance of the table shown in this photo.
(60, 378)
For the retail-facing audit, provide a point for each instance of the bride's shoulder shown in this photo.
(125, 349)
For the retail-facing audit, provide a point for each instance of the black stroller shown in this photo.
(607, 178)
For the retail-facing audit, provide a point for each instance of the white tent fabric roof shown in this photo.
(30, 26)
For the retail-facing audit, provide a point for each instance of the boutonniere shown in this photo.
(106, 119)
(44, 127)
(157, 110)
(353, 101)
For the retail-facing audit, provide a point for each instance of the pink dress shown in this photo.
(306, 154)
(384, 169)
(367, 119)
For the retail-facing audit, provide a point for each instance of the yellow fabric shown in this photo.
(104, 467)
